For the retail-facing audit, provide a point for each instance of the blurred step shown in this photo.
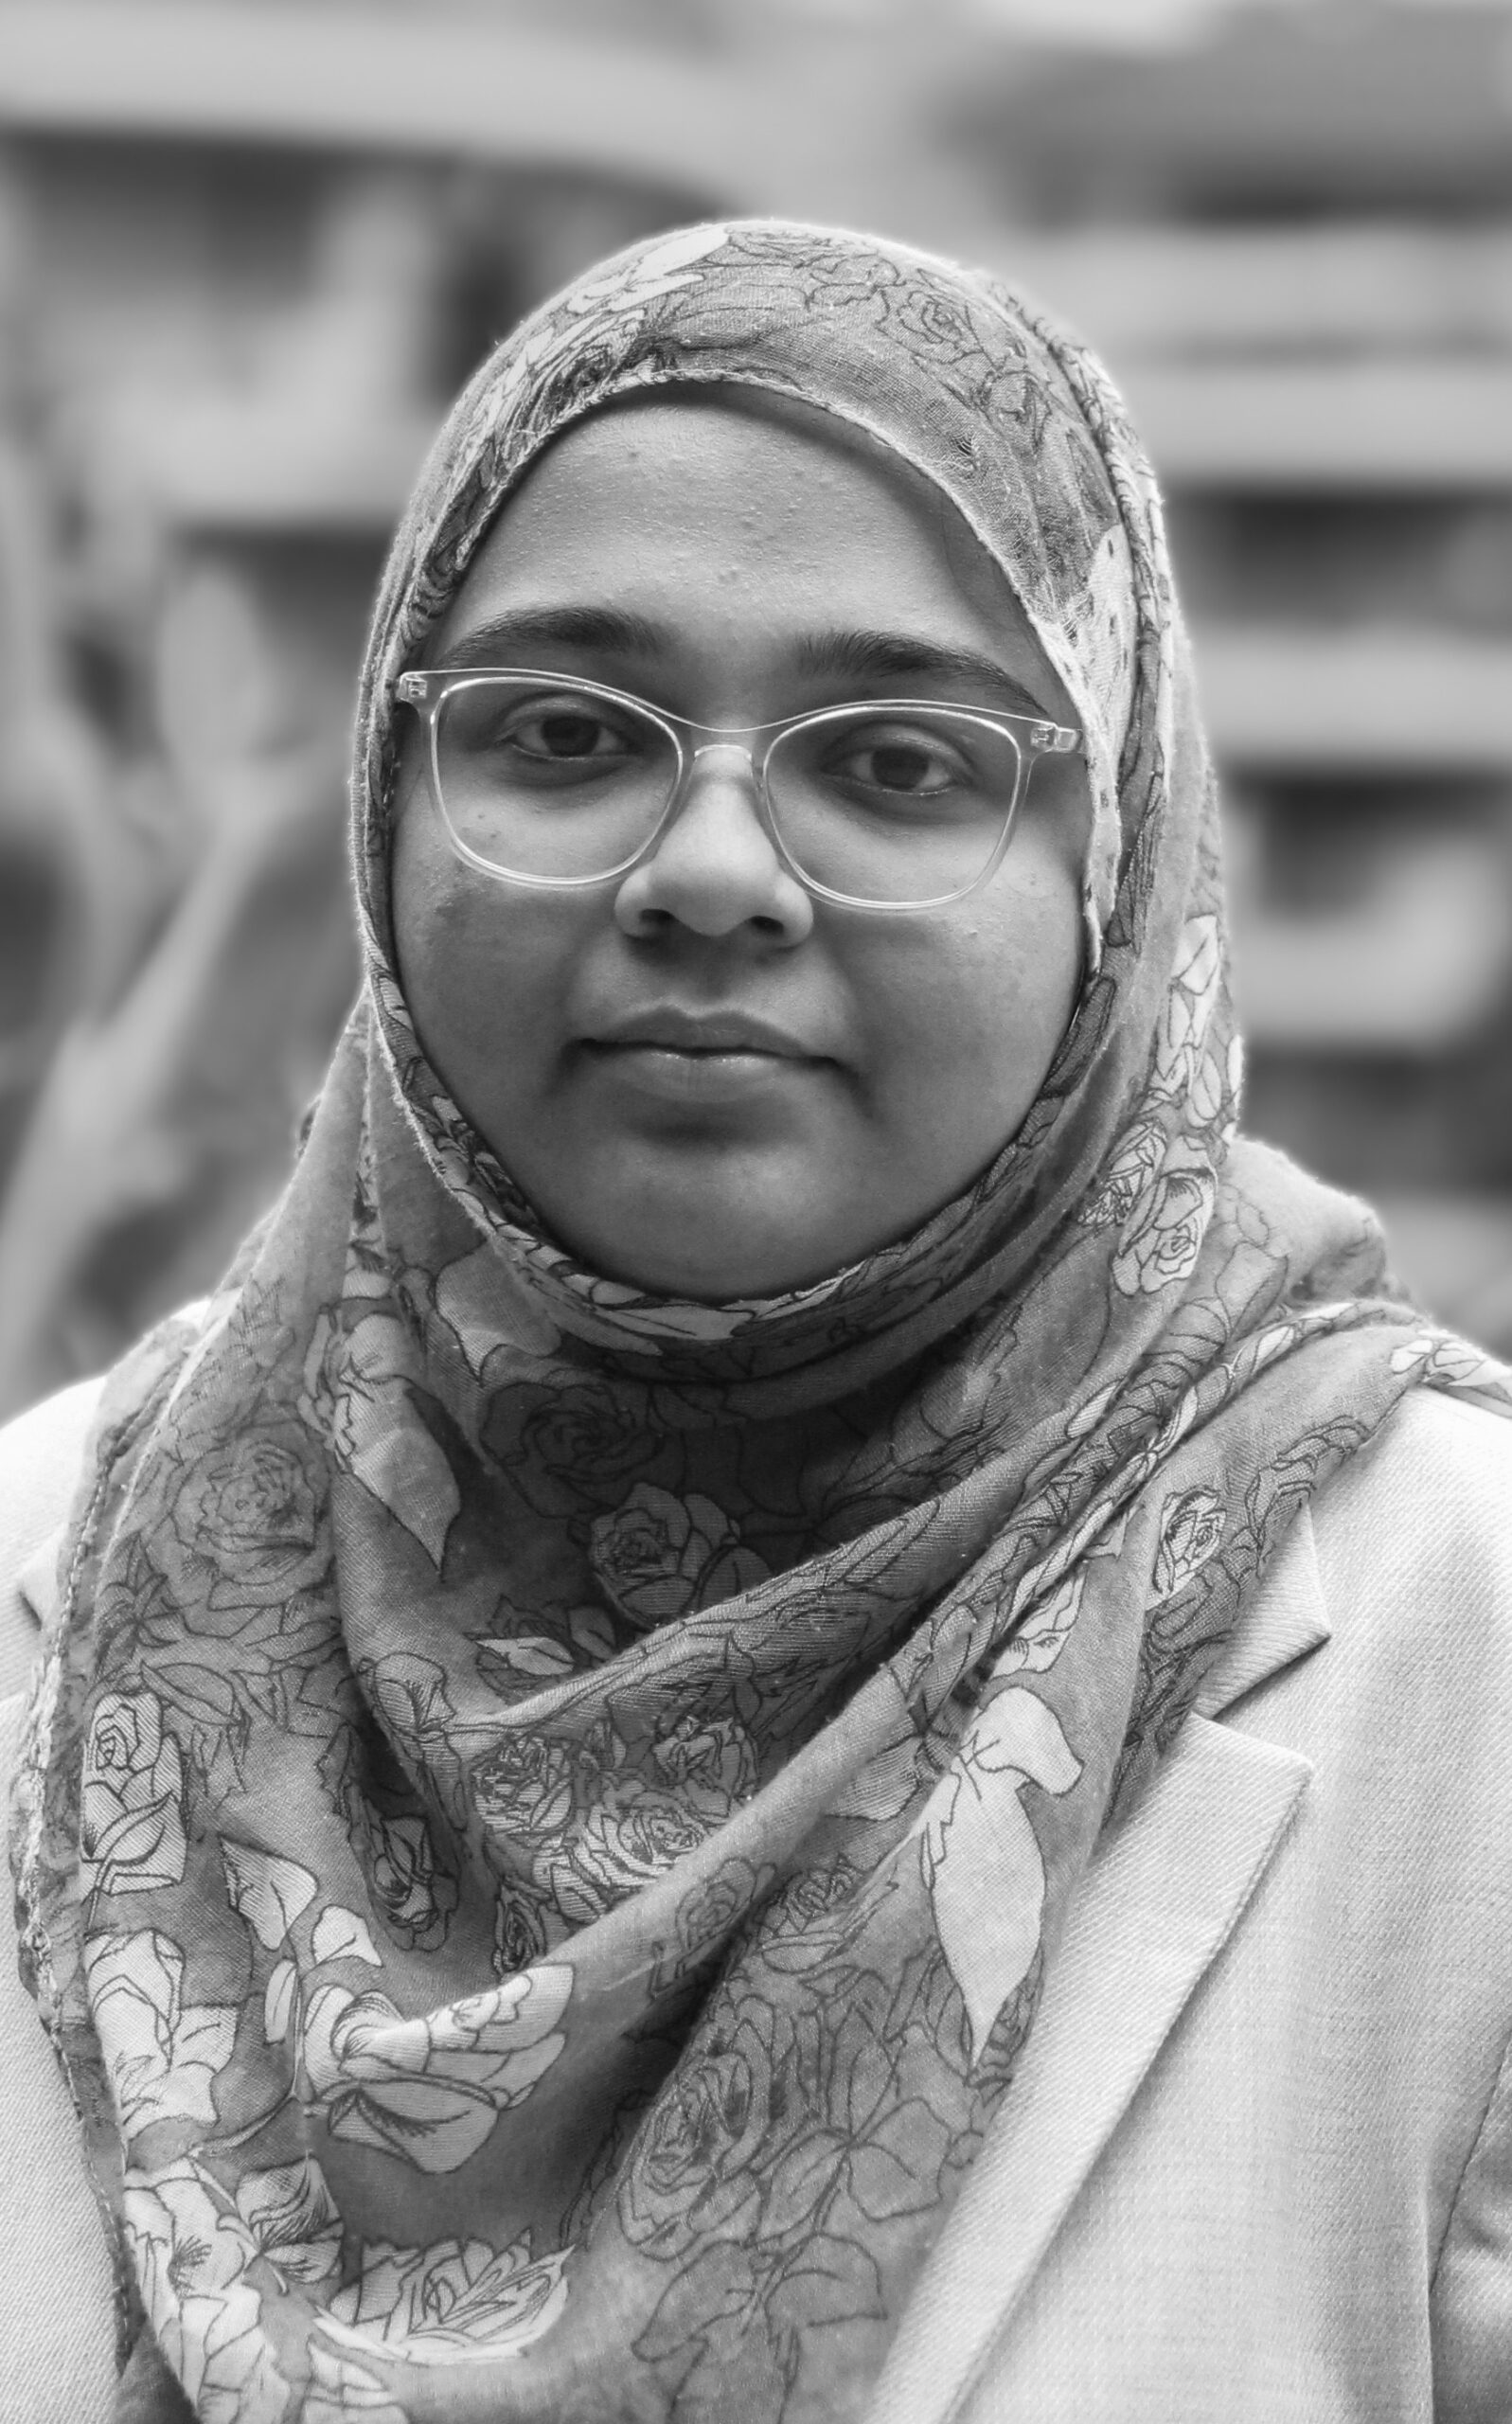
(384, 81)
(1304, 108)
(1358, 701)
(1144, 293)
(1353, 426)
(1338, 562)
(1415, 957)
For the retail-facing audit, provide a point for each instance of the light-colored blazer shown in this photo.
(1258, 2164)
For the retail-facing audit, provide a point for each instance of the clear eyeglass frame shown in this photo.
(1032, 737)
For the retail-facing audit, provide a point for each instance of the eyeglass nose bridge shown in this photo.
(750, 764)
(747, 766)
(724, 749)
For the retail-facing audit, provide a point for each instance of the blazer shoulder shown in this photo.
(1382, 1630)
(1425, 1507)
(1411, 1548)
(42, 1458)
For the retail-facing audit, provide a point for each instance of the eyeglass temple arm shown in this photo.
(1055, 740)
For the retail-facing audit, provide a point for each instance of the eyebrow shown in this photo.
(505, 639)
(890, 656)
(861, 656)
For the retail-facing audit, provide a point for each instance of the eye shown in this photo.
(565, 731)
(900, 761)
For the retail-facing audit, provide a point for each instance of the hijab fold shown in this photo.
(547, 1809)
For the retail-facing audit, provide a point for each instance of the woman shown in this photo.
(689, 1761)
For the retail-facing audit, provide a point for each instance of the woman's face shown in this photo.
(709, 1083)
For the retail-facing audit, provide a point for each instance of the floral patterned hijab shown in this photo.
(549, 1808)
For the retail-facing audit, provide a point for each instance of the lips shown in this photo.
(668, 1028)
(723, 1065)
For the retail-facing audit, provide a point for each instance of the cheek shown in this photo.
(437, 937)
(975, 1012)
(481, 973)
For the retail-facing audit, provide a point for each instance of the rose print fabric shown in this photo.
(548, 1809)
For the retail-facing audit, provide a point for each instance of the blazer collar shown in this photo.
(1159, 1901)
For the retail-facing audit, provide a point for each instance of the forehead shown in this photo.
(741, 503)
(779, 452)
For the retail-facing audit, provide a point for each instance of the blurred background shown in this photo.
(247, 250)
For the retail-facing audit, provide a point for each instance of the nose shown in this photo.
(714, 868)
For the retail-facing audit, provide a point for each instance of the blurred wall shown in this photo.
(247, 250)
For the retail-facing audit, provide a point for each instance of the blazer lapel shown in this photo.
(1287, 1618)
(1157, 1905)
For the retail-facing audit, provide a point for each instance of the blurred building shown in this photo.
(248, 249)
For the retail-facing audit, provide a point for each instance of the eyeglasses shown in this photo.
(890, 804)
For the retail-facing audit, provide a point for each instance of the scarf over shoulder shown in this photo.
(547, 1809)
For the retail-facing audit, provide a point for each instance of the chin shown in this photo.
(710, 1255)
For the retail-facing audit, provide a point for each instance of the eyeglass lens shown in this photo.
(879, 803)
